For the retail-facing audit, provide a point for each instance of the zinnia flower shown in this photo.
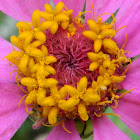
(70, 70)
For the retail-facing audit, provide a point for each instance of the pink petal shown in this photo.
(129, 110)
(21, 10)
(129, 106)
(58, 133)
(105, 129)
(132, 79)
(11, 116)
(5, 68)
(102, 6)
(75, 5)
(131, 19)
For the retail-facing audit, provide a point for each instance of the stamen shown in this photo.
(125, 93)
(125, 41)
(116, 104)
(127, 52)
(103, 14)
(121, 28)
(127, 68)
(63, 125)
(13, 47)
(12, 72)
(92, 9)
(104, 102)
(100, 114)
(27, 109)
(78, 17)
(52, 125)
(19, 84)
(21, 100)
(66, 8)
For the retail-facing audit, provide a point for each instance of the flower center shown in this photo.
(70, 69)
(71, 54)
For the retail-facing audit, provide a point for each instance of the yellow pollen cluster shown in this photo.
(34, 65)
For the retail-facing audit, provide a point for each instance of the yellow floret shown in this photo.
(50, 59)
(67, 89)
(48, 101)
(24, 26)
(91, 98)
(82, 112)
(52, 115)
(93, 26)
(48, 8)
(110, 45)
(23, 63)
(28, 81)
(36, 18)
(31, 97)
(58, 8)
(41, 94)
(97, 45)
(68, 104)
(90, 34)
(93, 66)
(82, 85)
(49, 82)
(46, 110)
(16, 41)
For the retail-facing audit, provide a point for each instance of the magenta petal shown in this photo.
(129, 110)
(132, 79)
(58, 133)
(5, 68)
(5, 49)
(75, 5)
(105, 129)
(102, 6)
(131, 19)
(11, 116)
(129, 106)
(21, 10)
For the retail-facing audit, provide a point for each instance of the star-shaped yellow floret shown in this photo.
(55, 17)
(101, 34)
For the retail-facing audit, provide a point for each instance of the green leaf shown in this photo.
(7, 26)
(121, 91)
(85, 129)
(132, 59)
(84, 9)
(52, 4)
(88, 129)
(110, 19)
(79, 126)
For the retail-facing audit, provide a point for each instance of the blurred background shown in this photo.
(25, 132)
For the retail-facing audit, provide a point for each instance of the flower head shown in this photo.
(70, 69)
